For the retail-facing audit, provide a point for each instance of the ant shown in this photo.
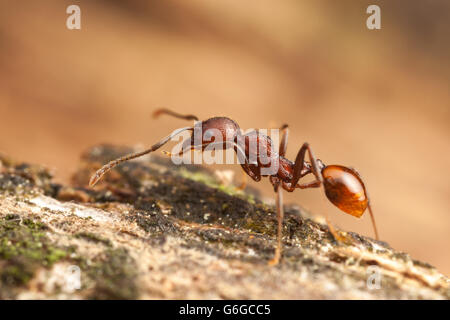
(343, 186)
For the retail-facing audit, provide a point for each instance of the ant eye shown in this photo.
(345, 189)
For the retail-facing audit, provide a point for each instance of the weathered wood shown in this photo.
(154, 230)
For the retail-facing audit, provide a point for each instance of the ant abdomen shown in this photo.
(345, 189)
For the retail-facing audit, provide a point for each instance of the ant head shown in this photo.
(345, 189)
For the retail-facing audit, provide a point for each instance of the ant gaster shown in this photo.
(343, 186)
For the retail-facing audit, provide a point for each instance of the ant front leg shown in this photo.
(253, 172)
(243, 184)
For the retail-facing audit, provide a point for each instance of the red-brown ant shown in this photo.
(343, 186)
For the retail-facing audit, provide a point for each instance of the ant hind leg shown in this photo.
(336, 235)
(158, 112)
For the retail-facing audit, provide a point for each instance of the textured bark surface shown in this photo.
(150, 229)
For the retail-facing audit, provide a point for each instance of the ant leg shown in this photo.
(333, 231)
(298, 168)
(253, 172)
(280, 217)
(158, 112)
(188, 147)
(185, 147)
(299, 165)
(338, 237)
(307, 185)
(99, 173)
(372, 218)
(244, 181)
(284, 140)
(369, 206)
(313, 184)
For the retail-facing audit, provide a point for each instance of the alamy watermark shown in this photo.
(66, 278)
(373, 22)
(73, 278)
(374, 278)
(73, 21)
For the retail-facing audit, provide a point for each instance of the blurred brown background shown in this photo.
(376, 100)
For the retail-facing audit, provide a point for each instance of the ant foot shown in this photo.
(274, 261)
(242, 186)
(343, 237)
(339, 236)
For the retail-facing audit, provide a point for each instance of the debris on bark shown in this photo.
(151, 229)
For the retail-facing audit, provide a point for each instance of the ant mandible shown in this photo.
(343, 186)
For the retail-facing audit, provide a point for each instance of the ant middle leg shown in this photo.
(369, 206)
(279, 200)
(280, 217)
(300, 164)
